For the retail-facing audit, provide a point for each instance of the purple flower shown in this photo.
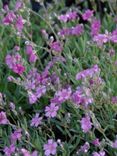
(32, 98)
(100, 39)
(87, 15)
(56, 46)
(63, 18)
(101, 153)
(95, 27)
(96, 142)
(18, 5)
(77, 30)
(15, 62)
(50, 147)
(72, 15)
(82, 96)
(114, 99)
(88, 73)
(114, 144)
(29, 49)
(3, 118)
(32, 58)
(85, 148)
(9, 18)
(86, 124)
(19, 23)
(25, 152)
(36, 120)
(51, 111)
(9, 150)
(16, 135)
(30, 52)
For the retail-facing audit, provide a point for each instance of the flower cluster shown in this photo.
(74, 31)
(82, 96)
(69, 16)
(88, 73)
(13, 18)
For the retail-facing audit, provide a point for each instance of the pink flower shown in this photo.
(86, 124)
(51, 111)
(17, 48)
(9, 18)
(50, 147)
(36, 120)
(3, 118)
(19, 23)
(87, 15)
(95, 27)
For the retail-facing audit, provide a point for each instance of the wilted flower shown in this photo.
(50, 147)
